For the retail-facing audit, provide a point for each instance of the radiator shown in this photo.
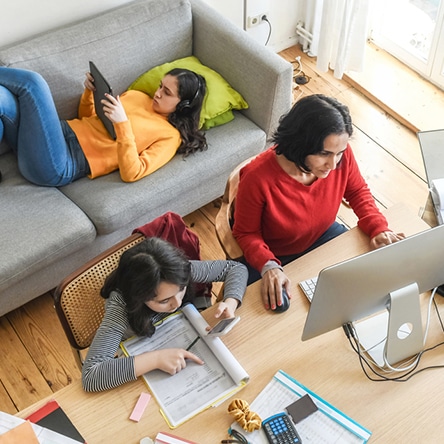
(306, 36)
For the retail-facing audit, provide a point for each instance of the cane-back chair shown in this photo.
(225, 216)
(78, 303)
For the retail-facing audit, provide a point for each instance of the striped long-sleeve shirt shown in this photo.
(102, 370)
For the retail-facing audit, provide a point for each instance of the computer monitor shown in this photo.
(388, 280)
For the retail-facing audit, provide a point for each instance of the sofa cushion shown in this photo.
(130, 32)
(39, 226)
(111, 204)
(220, 98)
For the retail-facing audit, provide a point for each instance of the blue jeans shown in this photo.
(335, 230)
(47, 150)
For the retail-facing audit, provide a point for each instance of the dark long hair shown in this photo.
(191, 88)
(303, 129)
(140, 271)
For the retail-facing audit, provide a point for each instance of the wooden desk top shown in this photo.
(264, 342)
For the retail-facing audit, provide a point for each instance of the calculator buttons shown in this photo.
(280, 430)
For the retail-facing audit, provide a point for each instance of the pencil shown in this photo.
(189, 347)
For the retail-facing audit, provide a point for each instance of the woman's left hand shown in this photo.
(89, 82)
(113, 109)
(385, 238)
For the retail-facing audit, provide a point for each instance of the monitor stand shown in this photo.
(395, 334)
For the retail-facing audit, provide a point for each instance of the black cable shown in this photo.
(265, 19)
(363, 360)
(352, 338)
(437, 312)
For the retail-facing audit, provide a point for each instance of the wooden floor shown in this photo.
(36, 358)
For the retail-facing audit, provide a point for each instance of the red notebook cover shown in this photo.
(52, 417)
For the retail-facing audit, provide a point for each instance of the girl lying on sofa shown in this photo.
(149, 131)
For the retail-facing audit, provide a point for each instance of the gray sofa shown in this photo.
(48, 232)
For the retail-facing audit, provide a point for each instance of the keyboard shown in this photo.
(308, 287)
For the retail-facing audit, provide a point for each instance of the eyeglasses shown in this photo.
(238, 438)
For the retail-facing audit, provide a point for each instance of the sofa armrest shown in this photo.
(262, 77)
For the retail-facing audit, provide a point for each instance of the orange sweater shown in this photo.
(144, 143)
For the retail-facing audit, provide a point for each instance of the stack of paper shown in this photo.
(51, 416)
(41, 435)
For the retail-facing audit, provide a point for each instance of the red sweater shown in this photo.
(277, 216)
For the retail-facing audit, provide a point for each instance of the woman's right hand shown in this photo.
(169, 360)
(173, 360)
(113, 109)
(271, 289)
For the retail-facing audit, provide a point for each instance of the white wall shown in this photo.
(232, 9)
(25, 18)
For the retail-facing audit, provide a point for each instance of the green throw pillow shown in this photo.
(220, 98)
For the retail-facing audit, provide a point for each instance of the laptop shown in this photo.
(102, 88)
(432, 149)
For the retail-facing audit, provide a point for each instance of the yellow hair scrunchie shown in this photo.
(247, 419)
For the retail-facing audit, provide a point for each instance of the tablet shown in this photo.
(102, 88)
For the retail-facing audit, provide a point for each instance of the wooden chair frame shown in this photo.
(225, 215)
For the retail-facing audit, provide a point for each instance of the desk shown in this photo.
(264, 342)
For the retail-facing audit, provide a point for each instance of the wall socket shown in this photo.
(255, 20)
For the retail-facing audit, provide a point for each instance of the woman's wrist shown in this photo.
(270, 265)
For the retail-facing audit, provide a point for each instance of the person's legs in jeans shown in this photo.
(9, 117)
(31, 126)
(333, 231)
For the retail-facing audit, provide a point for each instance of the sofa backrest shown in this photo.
(129, 33)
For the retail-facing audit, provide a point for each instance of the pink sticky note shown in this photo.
(140, 407)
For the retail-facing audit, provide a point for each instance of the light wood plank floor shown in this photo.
(36, 358)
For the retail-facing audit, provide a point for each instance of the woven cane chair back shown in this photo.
(77, 299)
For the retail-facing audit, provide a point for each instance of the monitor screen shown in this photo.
(359, 287)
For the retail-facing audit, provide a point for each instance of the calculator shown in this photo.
(280, 430)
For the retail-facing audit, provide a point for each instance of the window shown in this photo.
(412, 31)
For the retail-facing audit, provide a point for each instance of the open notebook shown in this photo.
(196, 387)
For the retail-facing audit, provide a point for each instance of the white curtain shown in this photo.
(339, 29)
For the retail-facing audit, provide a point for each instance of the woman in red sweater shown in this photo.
(289, 196)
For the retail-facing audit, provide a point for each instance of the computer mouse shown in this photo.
(285, 302)
(440, 290)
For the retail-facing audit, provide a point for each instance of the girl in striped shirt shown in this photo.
(153, 279)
